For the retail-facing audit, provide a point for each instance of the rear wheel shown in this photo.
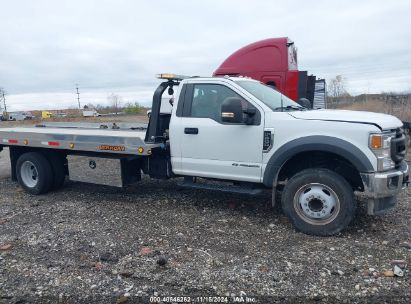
(318, 202)
(34, 173)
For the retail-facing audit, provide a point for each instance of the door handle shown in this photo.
(190, 130)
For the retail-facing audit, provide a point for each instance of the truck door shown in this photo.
(216, 149)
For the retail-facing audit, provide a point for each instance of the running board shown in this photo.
(249, 190)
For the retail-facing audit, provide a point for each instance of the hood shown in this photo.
(383, 121)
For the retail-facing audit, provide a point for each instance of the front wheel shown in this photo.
(318, 202)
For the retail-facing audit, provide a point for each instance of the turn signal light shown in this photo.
(227, 115)
(376, 141)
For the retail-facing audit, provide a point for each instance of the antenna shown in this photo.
(282, 103)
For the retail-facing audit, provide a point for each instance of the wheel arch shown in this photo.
(310, 146)
(17, 151)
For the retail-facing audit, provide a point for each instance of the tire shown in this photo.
(319, 202)
(59, 171)
(34, 173)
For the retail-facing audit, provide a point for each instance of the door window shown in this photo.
(208, 98)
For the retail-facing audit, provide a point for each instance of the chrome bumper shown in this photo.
(381, 188)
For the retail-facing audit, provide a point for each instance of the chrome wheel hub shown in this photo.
(316, 203)
(29, 174)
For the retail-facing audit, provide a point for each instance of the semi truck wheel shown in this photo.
(318, 202)
(34, 173)
(59, 171)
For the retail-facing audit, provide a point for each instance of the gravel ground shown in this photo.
(87, 243)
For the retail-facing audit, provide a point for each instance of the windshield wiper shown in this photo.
(288, 108)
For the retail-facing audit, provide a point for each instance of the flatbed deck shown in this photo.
(79, 138)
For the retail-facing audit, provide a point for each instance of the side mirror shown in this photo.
(232, 111)
(305, 103)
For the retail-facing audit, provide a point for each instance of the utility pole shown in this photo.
(5, 105)
(78, 99)
(4, 102)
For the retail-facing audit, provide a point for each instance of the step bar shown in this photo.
(247, 188)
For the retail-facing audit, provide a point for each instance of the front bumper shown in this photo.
(381, 188)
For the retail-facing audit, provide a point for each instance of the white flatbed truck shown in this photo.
(239, 134)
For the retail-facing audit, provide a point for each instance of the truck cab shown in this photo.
(209, 134)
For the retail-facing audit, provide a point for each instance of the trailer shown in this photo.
(90, 113)
(231, 134)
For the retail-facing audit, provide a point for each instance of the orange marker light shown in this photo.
(71, 146)
(26, 142)
(376, 141)
(140, 150)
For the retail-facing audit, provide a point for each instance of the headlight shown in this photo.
(380, 145)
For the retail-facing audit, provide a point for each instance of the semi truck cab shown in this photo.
(274, 62)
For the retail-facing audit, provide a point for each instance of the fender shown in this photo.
(315, 143)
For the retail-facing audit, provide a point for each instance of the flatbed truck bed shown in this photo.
(88, 139)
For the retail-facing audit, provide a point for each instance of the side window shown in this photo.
(272, 84)
(208, 98)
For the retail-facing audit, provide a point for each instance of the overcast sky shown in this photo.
(46, 47)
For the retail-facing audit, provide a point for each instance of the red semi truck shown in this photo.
(274, 62)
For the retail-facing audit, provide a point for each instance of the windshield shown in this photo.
(269, 96)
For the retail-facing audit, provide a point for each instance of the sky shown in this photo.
(117, 46)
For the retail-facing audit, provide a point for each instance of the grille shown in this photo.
(398, 147)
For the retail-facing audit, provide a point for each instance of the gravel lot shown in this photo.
(89, 243)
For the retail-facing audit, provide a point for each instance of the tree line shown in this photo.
(116, 105)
